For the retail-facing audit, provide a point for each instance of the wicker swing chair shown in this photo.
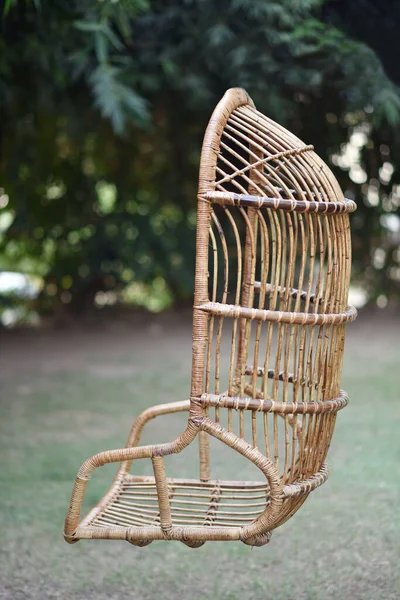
(272, 273)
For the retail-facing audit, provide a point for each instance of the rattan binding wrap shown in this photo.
(272, 274)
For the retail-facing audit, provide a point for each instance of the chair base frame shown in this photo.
(133, 508)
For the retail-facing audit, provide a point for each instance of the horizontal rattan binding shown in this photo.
(273, 259)
(275, 316)
(310, 206)
(270, 406)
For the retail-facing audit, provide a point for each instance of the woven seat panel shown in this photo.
(193, 503)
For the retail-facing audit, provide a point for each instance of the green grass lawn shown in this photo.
(68, 394)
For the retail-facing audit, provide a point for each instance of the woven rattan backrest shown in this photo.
(273, 263)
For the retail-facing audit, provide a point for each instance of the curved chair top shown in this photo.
(231, 100)
(249, 160)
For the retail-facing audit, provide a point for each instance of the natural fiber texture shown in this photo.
(272, 272)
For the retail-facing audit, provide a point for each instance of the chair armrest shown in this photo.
(152, 413)
(125, 455)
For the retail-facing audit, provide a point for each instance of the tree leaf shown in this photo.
(101, 46)
(116, 101)
(92, 26)
(112, 37)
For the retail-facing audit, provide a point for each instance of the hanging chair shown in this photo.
(272, 276)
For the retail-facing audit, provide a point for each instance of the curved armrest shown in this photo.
(152, 413)
(124, 455)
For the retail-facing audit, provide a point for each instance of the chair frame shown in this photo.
(282, 499)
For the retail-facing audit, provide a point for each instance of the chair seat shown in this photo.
(200, 511)
(193, 503)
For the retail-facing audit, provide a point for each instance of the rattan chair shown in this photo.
(272, 273)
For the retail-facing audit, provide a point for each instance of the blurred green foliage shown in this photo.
(104, 104)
